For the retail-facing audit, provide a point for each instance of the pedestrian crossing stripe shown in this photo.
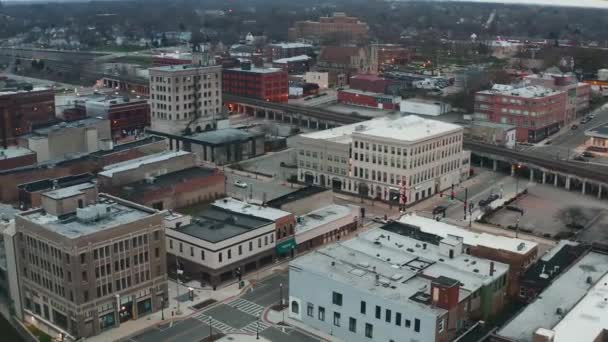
(223, 327)
(252, 327)
(246, 306)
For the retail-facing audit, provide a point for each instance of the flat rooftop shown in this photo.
(13, 92)
(323, 216)
(184, 67)
(133, 164)
(71, 227)
(405, 268)
(290, 45)
(470, 238)
(600, 131)
(69, 191)
(408, 129)
(301, 58)
(223, 136)
(14, 152)
(87, 122)
(241, 207)
(566, 293)
(367, 93)
(216, 224)
(528, 92)
(256, 70)
(132, 191)
(296, 195)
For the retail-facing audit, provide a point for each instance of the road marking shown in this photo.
(221, 326)
(253, 327)
(246, 306)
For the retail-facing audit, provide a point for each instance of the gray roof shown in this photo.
(599, 131)
(223, 136)
(215, 224)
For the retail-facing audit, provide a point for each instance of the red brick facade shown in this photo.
(271, 86)
(20, 111)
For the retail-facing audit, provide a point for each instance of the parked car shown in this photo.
(579, 157)
(573, 127)
(439, 209)
(588, 154)
(240, 184)
(549, 142)
(380, 219)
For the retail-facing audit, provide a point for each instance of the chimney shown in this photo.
(424, 245)
(492, 268)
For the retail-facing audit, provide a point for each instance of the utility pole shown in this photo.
(177, 273)
(210, 330)
(466, 197)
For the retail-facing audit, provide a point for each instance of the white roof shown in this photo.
(11, 92)
(135, 163)
(565, 293)
(241, 207)
(588, 318)
(322, 216)
(300, 58)
(470, 238)
(410, 128)
(14, 152)
(291, 45)
(69, 191)
(524, 92)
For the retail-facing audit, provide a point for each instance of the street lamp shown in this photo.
(257, 329)
(210, 330)
(517, 167)
(162, 307)
(281, 293)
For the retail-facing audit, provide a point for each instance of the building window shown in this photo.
(441, 325)
(250, 246)
(363, 307)
(378, 312)
(369, 330)
(191, 251)
(310, 309)
(240, 249)
(408, 323)
(337, 319)
(321, 313)
(388, 316)
(181, 247)
(295, 307)
(156, 235)
(336, 298)
(398, 318)
(230, 254)
(202, 254)
(170, 243)
(416, 325)
(352, 325)
(220, 256)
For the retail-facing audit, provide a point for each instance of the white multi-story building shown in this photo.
(186, 98)
(386, 157)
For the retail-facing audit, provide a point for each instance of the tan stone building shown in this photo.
(87, 262)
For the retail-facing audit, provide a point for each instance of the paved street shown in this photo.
(236, 315)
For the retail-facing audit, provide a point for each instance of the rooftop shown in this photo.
(134, 190)
(553, 263)
(491, 124)
(566, 294)
(241, 207)
(290, 45)
(13, 92)
(71, 124)
(132, 164)
(69, 191)
(114, 213)
(295, 196)
(300, 58)
(470, 238)
(223, 136)
(368, 77)
(176, 68)
(528, 92)
(600, 131)
(14, 152)
(322, 216)
(216, 224)
(405, 267)
(256, 70)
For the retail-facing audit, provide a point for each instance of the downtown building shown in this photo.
(21, 111)
(535, 111)
(85, 262)
(267, 84)
(398, 160)
(381, 286)
(186, 98)
(578, 94)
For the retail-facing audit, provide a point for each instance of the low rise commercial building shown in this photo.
(424, 107)
(303, 200)
(492, 133)
(367, 99)
(536, 111)
(285, 50)
(85, 263)
(60, 141)
(323, 79)
(381, 286)
(400, 160)
(293, 65)
(369, 83)
(15, 156)
(325, 225)
(578, 93)
(572, 308)
(30, 194)
(268, 84)
(127, 116)
(517, 253)
(219, 244)
(597, 138)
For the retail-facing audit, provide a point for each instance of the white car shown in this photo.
(240, 184)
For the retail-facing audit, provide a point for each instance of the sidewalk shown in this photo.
(276, 318)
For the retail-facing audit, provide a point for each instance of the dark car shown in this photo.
(574, 127)
(579, 157)
(493, 197)
(588, 154)
(439, 209)
(483, 202)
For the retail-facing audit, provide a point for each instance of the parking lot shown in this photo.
(548, 211)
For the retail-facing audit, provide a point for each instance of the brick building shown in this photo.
(338, 26)
(15, 156)
(22, 110)
(268, 84)
(293, 65)
(371, 83)
(285, 50)
(30, 194)
(385, 57)
(369, 99)
(126, 116)
(341, 62)
(536, 111)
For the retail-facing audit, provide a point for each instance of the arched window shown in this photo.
(295, 307)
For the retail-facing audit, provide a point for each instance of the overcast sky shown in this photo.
(575, 3)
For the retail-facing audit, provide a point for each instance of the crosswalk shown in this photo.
(253, 327)
(221, 326)
(246, 306)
